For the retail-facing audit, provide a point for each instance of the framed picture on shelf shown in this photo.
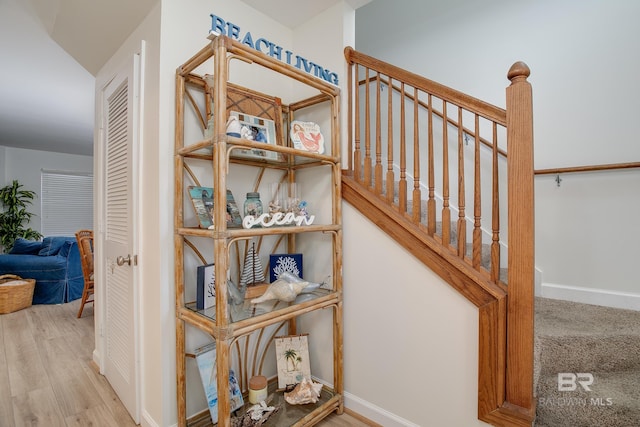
(306, 136)
(234, 219)
(256, 129)
(279, 263)
(206, 287)
(202, 201)
(206, 360)
(292, 356)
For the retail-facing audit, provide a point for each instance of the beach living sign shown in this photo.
(221, 27)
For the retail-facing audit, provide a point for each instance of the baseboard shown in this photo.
(602, 297)
(148, 421)
(368, 410)
(374, 413)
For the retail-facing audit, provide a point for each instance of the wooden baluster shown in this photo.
(378, 165)
(353, 162)
(477, 198)
(417, 197)
(391, 181)
(431, 202)
(521, 259)
(357, 155)
(446, 213)
(367, 131)
(495, 214)
(402, 185)
(462, 225)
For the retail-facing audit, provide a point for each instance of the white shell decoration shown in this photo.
(312, 286)
(281, 290)
(305, 392)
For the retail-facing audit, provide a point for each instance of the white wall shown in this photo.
(583, 59)
(26, 166)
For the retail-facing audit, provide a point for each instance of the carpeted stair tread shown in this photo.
(562, 318)
(588, 353)
(611, 402)
(604, 342)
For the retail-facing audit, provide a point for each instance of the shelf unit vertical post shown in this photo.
(220, 238)
(181, 384)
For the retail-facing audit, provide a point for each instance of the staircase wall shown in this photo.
(401, 316)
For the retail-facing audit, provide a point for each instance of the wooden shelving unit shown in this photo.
(244, 335)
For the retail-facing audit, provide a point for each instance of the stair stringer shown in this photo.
(489, 297)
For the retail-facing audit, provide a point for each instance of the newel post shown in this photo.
(520, 300)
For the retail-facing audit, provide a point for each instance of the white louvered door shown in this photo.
(120, 307)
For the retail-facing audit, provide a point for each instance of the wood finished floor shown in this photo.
(48, 378)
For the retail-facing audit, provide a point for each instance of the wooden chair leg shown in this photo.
(82, 303)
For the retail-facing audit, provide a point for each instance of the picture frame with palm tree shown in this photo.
(292, 356)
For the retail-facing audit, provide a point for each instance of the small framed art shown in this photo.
(292, 356)
(306, 136)
(279, 263)
(256, 129)
(202, 201)
(206, 360)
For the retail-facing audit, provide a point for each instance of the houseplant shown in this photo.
(15, 216)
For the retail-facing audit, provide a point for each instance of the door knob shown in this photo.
(122, 260)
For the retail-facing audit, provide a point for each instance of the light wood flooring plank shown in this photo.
(99, 416)
(37, 408)
(6, 406)
(347, 419)
(42, 322)
(106, 393)
(73, 388)
(26, 372)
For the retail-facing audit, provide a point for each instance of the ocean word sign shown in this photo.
(221, 27)
(278, 218)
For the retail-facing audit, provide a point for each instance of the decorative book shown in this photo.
(292, 355)
(206, 287)
(206, 360)
(279, 263)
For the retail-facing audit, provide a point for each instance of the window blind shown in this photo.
(67, 202)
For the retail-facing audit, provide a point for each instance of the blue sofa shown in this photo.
(55, 264)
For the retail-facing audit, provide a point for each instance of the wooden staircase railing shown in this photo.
(427, 164)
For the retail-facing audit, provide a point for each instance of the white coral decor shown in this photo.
(286, 264)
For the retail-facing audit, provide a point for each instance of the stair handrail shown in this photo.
(588, 168)
(513, 370)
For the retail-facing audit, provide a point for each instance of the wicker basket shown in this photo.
(16, 293)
